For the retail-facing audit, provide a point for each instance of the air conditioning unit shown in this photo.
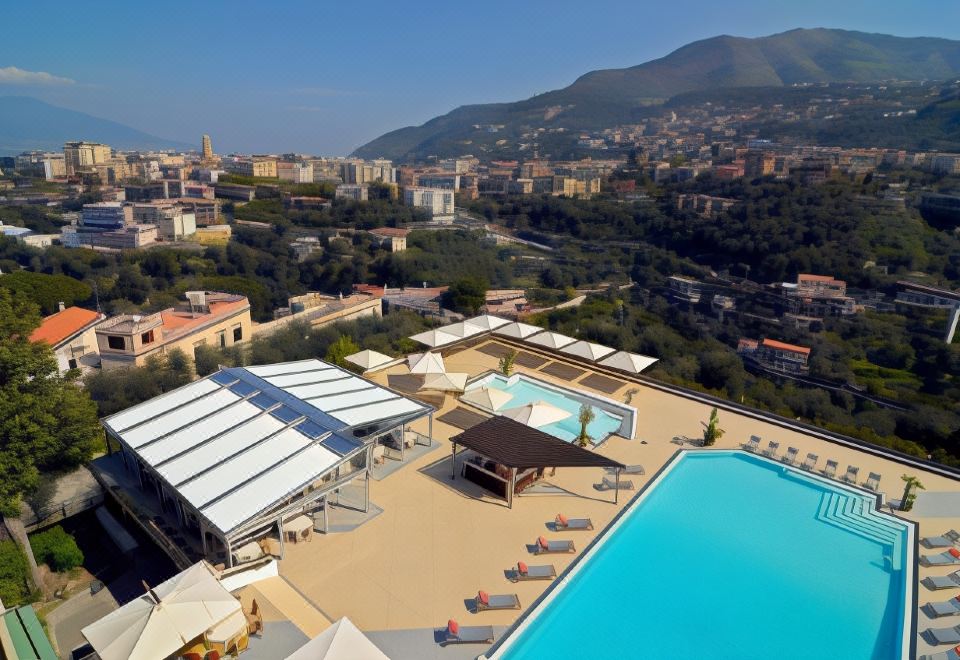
(198, 299)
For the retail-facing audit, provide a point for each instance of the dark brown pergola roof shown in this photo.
(520, 446)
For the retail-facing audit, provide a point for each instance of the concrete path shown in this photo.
(76, 613)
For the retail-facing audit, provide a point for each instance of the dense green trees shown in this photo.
(45, 290)
(466, 295)
(117, 389)
(57, 549)
(14, 575)
(46, 421)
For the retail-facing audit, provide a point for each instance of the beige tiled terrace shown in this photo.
(438, 541)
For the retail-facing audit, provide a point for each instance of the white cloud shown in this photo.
(12, 75)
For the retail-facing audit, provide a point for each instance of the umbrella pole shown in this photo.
(616, 491)
(453, 462)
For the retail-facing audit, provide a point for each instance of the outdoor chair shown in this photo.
(946, 608)
(949, 558)
(944, 635)
(851, 476)
(524, 572)
(212, 654)
(831, 469)
(254, 620)
(810, 462)
(791, 456)
(949, 539)
(771, 450)
(949, 654)
(753, 444)
(872, 482)
(935, 582)
(545, 547)
(572, 524)
(496, 602)
(610, 484)
(467, 634)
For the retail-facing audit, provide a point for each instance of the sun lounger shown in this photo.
(944, 635)
(455, 634)
(545, 547)
(771, 450)
(872, 482)
(851, 476)
(542, 572)
(628, 469)
(810, 462)
(573, 524)
(945, 608)
(948, 558)
(935, 582)
(610, 484)
(791, 456)
(496, 602)
(949, 654)
(831, 469)
(753, 444)
(949, 539)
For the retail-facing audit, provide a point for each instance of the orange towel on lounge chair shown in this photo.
(562, 519)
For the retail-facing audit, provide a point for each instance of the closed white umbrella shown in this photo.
(488, 398)
(434, 338)
(445, 382)
(368, 359)
(536, 414)
(426, 363)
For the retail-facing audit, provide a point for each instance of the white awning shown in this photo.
(435, 338)
(551, 340)
(632, 363)
(368, 359)
(587, 350)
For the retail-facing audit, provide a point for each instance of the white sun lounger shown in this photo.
(851, 476)
(772, 448)
(810, 462)
(934, 582)
(831, 469)
(753, 444)
(610, 484)
(943, 608)
(948, 558)
(948, 539)
(872, 482)
(791, 456)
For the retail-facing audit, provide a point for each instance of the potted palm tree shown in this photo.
(712, 432)
(911, 484)
(586, 416)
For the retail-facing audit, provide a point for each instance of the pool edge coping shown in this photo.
(908, 646)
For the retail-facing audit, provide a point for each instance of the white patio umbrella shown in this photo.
(461, 330)
(425, 363)
(536, 414)
(488, 398)
(445, 382)
(368, 359)
(341, 641)
(587, 350)
(434, 338)
(487, 322)
(551, 340)
(163, 620)
(518, 330)
(633, 363)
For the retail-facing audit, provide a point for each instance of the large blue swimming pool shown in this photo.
(731, 556)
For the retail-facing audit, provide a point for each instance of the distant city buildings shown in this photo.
(79, 156)
(391, 238)
(439, 203)
(352, 191)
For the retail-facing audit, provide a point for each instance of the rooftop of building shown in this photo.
(59, 327)
(390, 232)
(783, 346)
(177, 321)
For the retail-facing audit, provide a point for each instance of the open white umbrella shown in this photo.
(341, 641)
(488, 398)
(368, 359)
(425, 363)
(434, 338)
(587, 350)
(163, 620)
(632, 363)
(445, 382)
(461, 330)
(487, 322)
(536, 414)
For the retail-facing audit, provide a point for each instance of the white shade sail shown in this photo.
(368, 359)
(536, 414)
(632, 363)
(160, 622)
(488, 398)
(487, 322)
(551, 340)
(461, 330)
(425, 363)
(445, 382)
(587, 350)
(341, 641)
(435, 338)
(518, 330)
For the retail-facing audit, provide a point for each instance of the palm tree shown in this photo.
(586, 416)
(506, 362)
(910, 484)
(712, 432)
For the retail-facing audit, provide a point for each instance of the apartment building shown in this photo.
(776, 355)
(705, 206)
(107, 215)
(257, 167)
(79, 156)
(71, 334)
(391, 238)
(439, 203)
(295, 172)
(818, 296)
(172, 221)
(358, 192)
(41, 165)
(208, 318)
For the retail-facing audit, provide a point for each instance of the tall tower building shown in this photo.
(207, 148)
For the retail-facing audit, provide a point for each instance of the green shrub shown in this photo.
(14, 575)
(57, 549)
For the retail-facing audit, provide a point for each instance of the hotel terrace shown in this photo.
(405, 531)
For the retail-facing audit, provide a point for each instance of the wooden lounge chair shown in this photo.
(935, 582)
(487, 601)
(455, 634)
(949, 558)
(946, 608)
(753, 444)
(851, 476)
(254, 620)
(771, 450)
(545, 547)
(791, 456)
(872, 482)
(831, 469)
(949, 539)
(524, 573)
(610, 484)
(573, 524)
(810, 462)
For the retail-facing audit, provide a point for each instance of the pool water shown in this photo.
(732, 556)
(526, 391)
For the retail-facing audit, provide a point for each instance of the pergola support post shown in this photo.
(366, 490)
(511, 487)
(430, 427)
(453, 462)
(326, 520)
(282, 534)
(616, 490)
(226, 542)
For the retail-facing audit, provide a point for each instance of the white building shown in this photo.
(71, 333)
(440, 203)
(295, 172)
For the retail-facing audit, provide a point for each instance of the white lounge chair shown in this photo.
(851, 476)
(753, 444)
(791, 456)
(872, 482)
(610, 484)
(810, 462)
(771, 450)
(831, 469)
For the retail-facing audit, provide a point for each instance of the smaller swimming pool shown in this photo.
(610, 416)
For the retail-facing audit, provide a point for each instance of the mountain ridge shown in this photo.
(605, 97)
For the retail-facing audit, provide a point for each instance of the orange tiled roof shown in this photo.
(390, 232)
(58, 327)
(783, 346)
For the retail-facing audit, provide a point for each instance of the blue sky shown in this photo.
(324, 77)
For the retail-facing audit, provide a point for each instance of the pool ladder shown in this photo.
(857, 516)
